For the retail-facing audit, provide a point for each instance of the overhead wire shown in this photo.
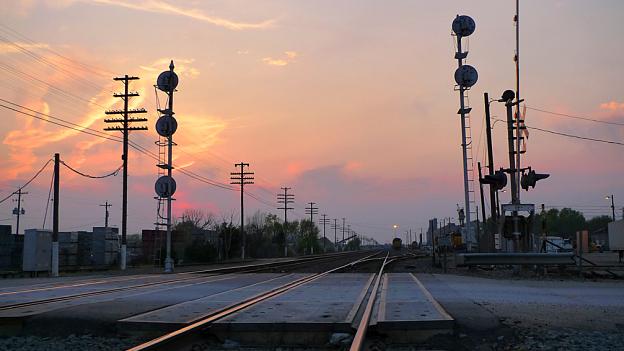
(575, 117)
(573, 135)
(28, 182)
(90, 68)
(111, 174)
(577, 136)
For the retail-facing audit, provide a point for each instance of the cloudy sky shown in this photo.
(350, 103)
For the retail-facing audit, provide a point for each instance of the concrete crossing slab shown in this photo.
(330, 302)
(191, 310)
(164, 293)
(407, 311)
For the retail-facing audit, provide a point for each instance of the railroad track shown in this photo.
(184, 338)
(190, 336)
(186, 277)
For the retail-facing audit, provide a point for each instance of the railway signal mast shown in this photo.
(166, 126)
(465, 76)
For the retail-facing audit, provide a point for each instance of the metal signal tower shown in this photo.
(165, 186)
(125, 127)
(242, 178)
(465, 77)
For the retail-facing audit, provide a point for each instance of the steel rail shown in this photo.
(186, 278)
(161, 342)
(231, 269)
(360, 334)
(100, 292)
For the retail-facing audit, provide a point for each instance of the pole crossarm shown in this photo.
(125, 126)
(242, 178)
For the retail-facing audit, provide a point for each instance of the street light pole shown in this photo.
(612, 205)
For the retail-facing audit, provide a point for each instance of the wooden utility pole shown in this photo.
(242, 178)
(18, 211)
(125, 128)
(312, 210)
(325, 221)
(285, 199)
(55, 217)
(106, 206)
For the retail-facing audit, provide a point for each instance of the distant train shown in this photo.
(396, 243)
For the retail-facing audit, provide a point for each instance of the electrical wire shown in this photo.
(112, 174)
(28, 182)
(577, 136)
(90, 68)
(572, 135)
(83, 130)
(575, 117)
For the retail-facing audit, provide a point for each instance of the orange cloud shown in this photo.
(164, 7)
(289, 57)
(612, 106)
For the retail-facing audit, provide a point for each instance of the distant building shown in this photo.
(433, 226)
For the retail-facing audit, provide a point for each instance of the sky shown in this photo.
(349, 103)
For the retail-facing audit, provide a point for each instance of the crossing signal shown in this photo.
(529, 179)
(497, 181)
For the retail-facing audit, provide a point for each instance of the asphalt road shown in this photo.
(531, 314)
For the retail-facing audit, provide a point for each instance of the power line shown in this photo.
(69, 125)
(28, 182)
(91, 68)
(113, 173)
(575, 117)
(571, 135)
(577, 136)
(93, 132)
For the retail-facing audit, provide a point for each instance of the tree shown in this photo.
(598, 223)
(565, 222)
(308, 237)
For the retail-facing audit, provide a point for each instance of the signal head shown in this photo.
(463, 26)
(498, 180)
(508, 95)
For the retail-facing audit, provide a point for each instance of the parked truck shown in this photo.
(616, 237)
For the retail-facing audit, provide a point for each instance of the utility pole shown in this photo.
(311, 211)
(106, 206)
(343, 230)
(18, 211)
(55, 217)
(335, 235)
(242, 178)
(490, 153)
(608, 197)
(285, 199)
(125, 128)
(325, 221)
(487, 240)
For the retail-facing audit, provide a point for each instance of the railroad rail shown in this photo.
(193, 331)
(184, 277)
